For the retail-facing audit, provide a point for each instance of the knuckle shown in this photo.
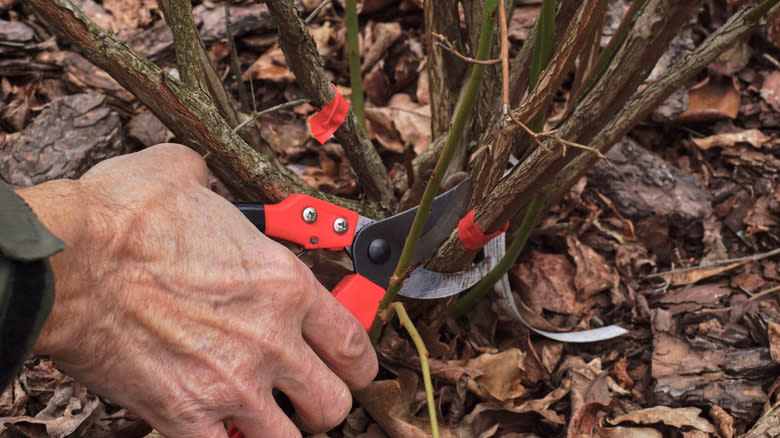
(335, 407)
(297, 275)
(355, 344)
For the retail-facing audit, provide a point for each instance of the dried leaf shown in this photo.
(620, 372)
(546, 281)
(692, 298)
(501, 374)
(723, 421)
(148, 129)
(628, 432)
(684, 373)
(384, 36)
(128, 14)
(271, 66)
(593, 274)
(760, 217)
(401, 122)
(754, 137)
(773, 331)
(696, 275)
(770, 90)
(523, 20)
(326, 40)
(773, 33)
(732, 60)
(675, 417)
(714, 98)
(585, 421)
(388, 403)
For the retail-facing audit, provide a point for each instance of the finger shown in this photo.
(339, 339)
(271, 422)
(322, 400)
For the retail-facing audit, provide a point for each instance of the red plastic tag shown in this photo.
(471, 236)
(329, 118)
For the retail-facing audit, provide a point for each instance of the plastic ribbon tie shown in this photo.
(471, 236)
(327, 120)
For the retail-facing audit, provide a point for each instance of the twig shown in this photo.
(764, 293)
(191, 115)
(257, 115)
(528, 131)
(446, 45)
(234, 62)
(751, 258)
(504, 60)
(592, 150)
(464, 108)
(424, 367)
(642, 102)
(316, 11)
(353, 45)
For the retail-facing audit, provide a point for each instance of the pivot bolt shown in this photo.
(379, 251)
(340, 225)
(309, 215)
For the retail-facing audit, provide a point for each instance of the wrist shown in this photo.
(68, 212)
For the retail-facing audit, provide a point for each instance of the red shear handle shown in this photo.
(311, 222)
(360, 296)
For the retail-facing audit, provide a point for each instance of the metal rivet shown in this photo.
(313, 240)
(309, 215)
(379, 251)
(340, 225)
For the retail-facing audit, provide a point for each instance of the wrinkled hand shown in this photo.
(170, 303)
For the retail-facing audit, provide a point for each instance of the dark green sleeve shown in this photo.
(26, 281)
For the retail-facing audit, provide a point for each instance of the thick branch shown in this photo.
(446, 73)
(197, 71)
(648, 38)
(640, 105)
(190, 114)
(305, 61)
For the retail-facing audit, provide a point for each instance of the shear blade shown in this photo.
(428, 285)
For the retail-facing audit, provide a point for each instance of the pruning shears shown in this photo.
(374, 246)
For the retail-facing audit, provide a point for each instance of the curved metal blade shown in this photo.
(496, 248)
(441, 229)
(429, 285)
(390, 234)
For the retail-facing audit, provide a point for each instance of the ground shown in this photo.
(674, 238)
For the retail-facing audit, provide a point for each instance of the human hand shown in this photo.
(170, 303)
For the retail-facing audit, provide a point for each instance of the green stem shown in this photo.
(353, 43)
(425, 368)
(462, 114)
(761, 9)
(544, 49)
(518, 242)
(544, 44)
